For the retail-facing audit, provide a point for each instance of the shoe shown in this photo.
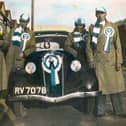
(123, 115)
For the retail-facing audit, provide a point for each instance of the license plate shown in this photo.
(30, 90)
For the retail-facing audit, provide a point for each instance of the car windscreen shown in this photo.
(51, 37)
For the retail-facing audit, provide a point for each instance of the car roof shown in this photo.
(52, 28)
(61, 31)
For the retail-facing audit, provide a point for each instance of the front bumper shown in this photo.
(53, 99)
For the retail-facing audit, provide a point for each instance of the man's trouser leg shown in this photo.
(100, 105)
(89, 104)
(6, 115)
(117, 103)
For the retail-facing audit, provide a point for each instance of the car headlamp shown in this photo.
(30, 68)
(75, 65)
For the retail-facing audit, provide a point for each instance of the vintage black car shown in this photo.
(47, 74)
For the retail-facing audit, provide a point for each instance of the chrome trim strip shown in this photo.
(54, 99)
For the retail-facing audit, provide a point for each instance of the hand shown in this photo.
(1, 42)
(21, 55)
(92, 65)
(118, 67)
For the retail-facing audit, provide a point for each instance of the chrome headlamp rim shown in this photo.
(30, 68)
(75, 65)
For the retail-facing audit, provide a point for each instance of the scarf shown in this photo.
(95, 34)
(79, 39)
(16, 38)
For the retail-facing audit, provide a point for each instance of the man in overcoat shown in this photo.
(22, 44)
(6, 115)
(76, 45)
(105, 56)
(3, 69)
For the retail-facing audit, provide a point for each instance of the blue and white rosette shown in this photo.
(25, 37)
(109, 32)
(52, 63)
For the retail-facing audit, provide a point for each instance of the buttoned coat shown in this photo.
(3, 68)
(110, 80)
(14, 51)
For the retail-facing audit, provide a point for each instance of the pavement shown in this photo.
(67, 115)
